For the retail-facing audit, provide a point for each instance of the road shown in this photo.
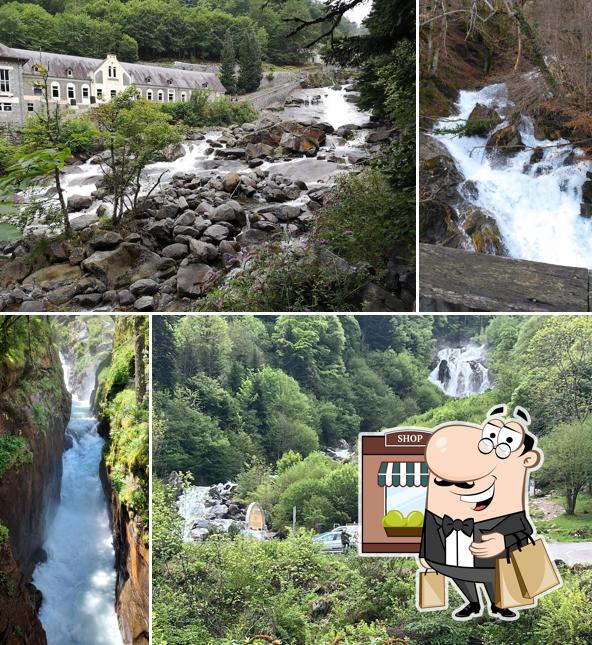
(571, 552)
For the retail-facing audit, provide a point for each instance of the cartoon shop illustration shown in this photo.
(457, 497)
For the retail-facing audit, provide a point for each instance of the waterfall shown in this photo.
(192, 509)
(78, 578)
(461, 371)
(536, 203)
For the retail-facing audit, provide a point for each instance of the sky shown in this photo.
(357, 14)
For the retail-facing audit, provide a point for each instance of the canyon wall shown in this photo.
(34, 413)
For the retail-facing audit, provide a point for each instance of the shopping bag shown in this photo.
(534, 569)
(431, 590)
(508, 592)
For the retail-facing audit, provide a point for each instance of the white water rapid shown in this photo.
(536, 206)
(333, 108)
(461, 371)
(78, 579)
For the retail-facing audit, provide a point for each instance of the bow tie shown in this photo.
(449, 525)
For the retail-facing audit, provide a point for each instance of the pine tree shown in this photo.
(250, 73)
(227, 64)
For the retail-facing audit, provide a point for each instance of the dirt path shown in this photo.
(550, 509)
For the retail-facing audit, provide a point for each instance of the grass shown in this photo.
(562, 528)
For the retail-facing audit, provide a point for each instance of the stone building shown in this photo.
(78, 83)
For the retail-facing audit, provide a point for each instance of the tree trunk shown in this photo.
(63, 207)
(571, 496)
(139, 346)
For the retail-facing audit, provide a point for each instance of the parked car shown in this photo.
(331, 540)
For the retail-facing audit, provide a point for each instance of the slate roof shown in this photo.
(59, 64)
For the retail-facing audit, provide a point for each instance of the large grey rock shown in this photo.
(217, 232)
(78, 203)
(203, 251)
(252, 237)
(103, 240)
(176, 251)
(223, 213)
(284, 212)
(145, 303)
(144, 287)
(193, 279)
(53, 276)
(173, 152)
(30, 306)
(231, 181)
(123, 265)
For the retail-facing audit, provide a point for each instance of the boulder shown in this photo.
(53, 276)
(223, 213)
(217, 232)
(380, 135)
(507, 141)
(193, 279)
(144, 287)
(203, 251)
(88, 300)
(145, 303)
(252, 237)
(481, 121)
(103, 240)
(31, 306)
(439, 224)
(256, 150)
(587, 192)
(482, 228)
(232, 153)
(78, 203)
(123, 265)
(176, 251)
(173, 152)
(284, 212)
(231, 181)
(125, 297)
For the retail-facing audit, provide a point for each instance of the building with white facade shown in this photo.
(78, 83)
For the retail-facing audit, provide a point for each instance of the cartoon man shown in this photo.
(476, 502)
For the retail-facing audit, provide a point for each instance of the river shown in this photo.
(536, 205)
(78, 579)
(198, 158)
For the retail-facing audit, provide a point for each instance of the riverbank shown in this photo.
(225, 195)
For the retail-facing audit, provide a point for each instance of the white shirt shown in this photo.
(457, 550)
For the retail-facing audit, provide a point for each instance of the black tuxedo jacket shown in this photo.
(514, 527)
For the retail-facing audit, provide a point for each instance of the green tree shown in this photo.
(164, 352)
(135, 132)
(568, 459)
(204, 346)
(250, 66)
(228, 64)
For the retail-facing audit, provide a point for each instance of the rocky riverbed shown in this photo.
(222, 195)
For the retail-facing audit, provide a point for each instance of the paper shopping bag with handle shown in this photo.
(431, 590)
(534, 569)
(508, 592)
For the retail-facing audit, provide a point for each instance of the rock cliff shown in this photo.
(34, 413)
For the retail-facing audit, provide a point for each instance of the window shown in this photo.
(70, 73)
(113, 93)
(7, 107)
(37, 91)
(149, 95)
(161, 96)
(99, 93)
(55, 90)
(71, 91)
(85, 92)
(35, 68)
(170, 81)
(4, 80)
(110, 71)
(148, 80)
(171, 95)
(30, 107)
(183, 97)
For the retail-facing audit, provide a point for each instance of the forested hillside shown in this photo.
(272, 393)
(229, 390)
(161, 29)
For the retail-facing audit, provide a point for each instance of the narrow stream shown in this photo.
(536, 205)
(78, 579)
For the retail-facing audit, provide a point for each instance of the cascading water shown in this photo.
(332, 108)
(192, 509)
(461, 371)
(78, 578)
(536, 205)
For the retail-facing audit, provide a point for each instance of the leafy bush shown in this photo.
(14, 453)
(200, 111)
(3, 534)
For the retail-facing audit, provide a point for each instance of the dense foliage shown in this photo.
(225, 591)
(122, 405)
(157, 29)
(233, 389)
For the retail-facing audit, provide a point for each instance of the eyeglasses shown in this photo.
(502, 450)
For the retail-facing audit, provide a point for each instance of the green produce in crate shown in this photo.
(394, 519)
(415, 519)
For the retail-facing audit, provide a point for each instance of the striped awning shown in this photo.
(406, 473)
